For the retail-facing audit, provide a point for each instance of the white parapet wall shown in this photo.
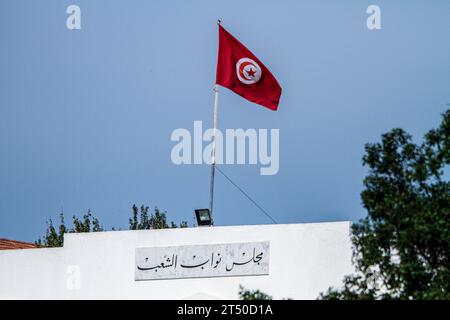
(304, 260)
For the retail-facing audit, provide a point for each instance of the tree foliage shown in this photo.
(246, 294)
(54, 236)
(140, 220)
(402, 247)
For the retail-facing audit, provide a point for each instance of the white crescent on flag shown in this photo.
(248, 71)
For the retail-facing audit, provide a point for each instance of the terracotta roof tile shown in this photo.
(6, 244)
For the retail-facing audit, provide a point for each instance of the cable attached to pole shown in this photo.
(246, 195)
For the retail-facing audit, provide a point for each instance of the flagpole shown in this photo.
(213, 158)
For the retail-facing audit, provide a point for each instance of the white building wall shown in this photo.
(305, 259)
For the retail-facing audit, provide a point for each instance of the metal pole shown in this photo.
(213, 158)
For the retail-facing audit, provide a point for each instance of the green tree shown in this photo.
(54, 237)
(246, 294)
(87, 224)
(402, 247)
(141, 220)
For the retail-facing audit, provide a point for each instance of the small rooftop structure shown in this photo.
(6, 244)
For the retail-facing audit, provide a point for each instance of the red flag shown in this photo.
(242, 72)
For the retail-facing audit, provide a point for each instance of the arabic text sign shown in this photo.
(216, 260)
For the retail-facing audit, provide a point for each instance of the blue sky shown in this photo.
(86, 115)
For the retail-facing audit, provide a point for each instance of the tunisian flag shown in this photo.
(242, 72)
